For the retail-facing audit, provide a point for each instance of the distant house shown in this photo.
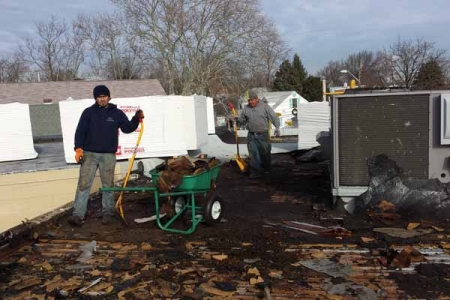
(44, 97)
(283, 103)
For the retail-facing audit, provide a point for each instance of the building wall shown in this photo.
(285, 109)
(32, 194)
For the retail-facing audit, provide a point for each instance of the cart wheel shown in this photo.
(179, 203)
(213, 210)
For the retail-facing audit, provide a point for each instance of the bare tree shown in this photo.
(268, 52)
(4, 70)
(116, 53)
(332, 73)
(55, 53)
(13, 69)
(368, 66)
(406, 57)
(157, 23)
(198, 43)
(18, 67)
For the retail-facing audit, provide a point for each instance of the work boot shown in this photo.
(75, 221)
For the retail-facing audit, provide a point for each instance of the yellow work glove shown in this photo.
(78, 154)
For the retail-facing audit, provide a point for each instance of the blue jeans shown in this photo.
(259, 147)
(106, 163)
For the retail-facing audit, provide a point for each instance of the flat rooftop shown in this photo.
(50, 157)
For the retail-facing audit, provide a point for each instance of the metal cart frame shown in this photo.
(190, 186)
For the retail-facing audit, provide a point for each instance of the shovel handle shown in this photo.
(232, 108)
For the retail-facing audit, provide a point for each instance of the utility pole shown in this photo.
(359, 71)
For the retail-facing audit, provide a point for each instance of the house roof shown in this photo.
(35, 93)
(275, 98)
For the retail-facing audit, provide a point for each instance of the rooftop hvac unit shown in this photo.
(412, 128)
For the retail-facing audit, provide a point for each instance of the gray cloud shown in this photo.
(324, 30)
(19, 17)
(318, 30)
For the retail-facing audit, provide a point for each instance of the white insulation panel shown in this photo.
(16, 133)
(171, 125)
(211, 117)
(313, 117)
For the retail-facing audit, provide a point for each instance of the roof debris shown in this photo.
(281, 235)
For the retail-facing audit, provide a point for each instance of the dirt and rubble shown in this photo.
(280, 235)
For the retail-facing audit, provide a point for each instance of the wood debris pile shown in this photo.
(172, 172)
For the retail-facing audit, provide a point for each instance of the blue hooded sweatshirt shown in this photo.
(97, 130)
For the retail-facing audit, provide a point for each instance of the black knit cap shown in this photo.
(101, 90)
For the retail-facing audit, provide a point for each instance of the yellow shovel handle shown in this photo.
(130, 166)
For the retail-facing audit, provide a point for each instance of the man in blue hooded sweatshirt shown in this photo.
(96, 141)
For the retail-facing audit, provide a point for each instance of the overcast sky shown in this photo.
(318, 30)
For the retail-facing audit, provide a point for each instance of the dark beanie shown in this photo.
(101, 90)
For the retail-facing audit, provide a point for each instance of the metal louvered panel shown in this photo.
(395, 125)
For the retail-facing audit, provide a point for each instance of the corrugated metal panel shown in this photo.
(396, 125)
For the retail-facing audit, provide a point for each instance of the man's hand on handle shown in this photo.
(139, 114)
(277, 132)
(78, 155)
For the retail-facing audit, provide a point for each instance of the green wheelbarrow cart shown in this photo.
(184, 196)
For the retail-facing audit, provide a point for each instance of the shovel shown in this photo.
(130, 166)
(240, 162)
